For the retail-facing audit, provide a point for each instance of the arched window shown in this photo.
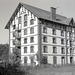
(31, 30)
(25, 31)
(31, 49)
(32, 39)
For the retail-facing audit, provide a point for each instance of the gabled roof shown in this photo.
(40, 13)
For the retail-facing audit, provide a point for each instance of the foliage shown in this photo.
(44, 60)
(4, 51)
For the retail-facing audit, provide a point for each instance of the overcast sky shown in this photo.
(7, 7)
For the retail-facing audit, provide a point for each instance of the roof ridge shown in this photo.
(42, 9)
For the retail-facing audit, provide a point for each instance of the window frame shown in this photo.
(45, 49)
(25, 51)
(25, 40)
(44, 38)
(25, 31)
(54, 49)
(31, 21)
(31, 30)
(31, 39)
(54, 31)
(32, 49)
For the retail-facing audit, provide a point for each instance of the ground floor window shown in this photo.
(25, 60)
(32, 60)
(54, 60)
(71, 60)
(63, 60)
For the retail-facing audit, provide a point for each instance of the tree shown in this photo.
(4, 51)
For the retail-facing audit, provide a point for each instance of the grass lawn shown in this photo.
(52, 70)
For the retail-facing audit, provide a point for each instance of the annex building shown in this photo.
(35, 32)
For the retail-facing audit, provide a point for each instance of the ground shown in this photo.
(54, 70)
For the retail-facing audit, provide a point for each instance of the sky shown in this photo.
(7, 7)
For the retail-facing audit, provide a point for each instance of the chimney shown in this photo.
(53, 13)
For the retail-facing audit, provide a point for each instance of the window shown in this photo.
(44, 49)
(44, 39)
(32, 39)
(54, 32)
(62, 50)
(25, 49)
(32, 60)
(54, 40)
(62, 41)
(25, 31)
(31, 30)
(71, 51)
(13, 42)
(70, 43)
(54, 60)
(67, 42)
(67, 50)
(25, 23)
(62, 33)
(54, 50)
(19, 20)
(25, 40)
(31, 21)
(44, 30)
(13, 34)
(14, 26)
(25, 17)
(25, 60)
(31, 49)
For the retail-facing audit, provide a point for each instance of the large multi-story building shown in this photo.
(34, 33)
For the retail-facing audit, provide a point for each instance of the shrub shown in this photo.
(44, 60)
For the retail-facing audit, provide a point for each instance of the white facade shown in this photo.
(55, 39)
